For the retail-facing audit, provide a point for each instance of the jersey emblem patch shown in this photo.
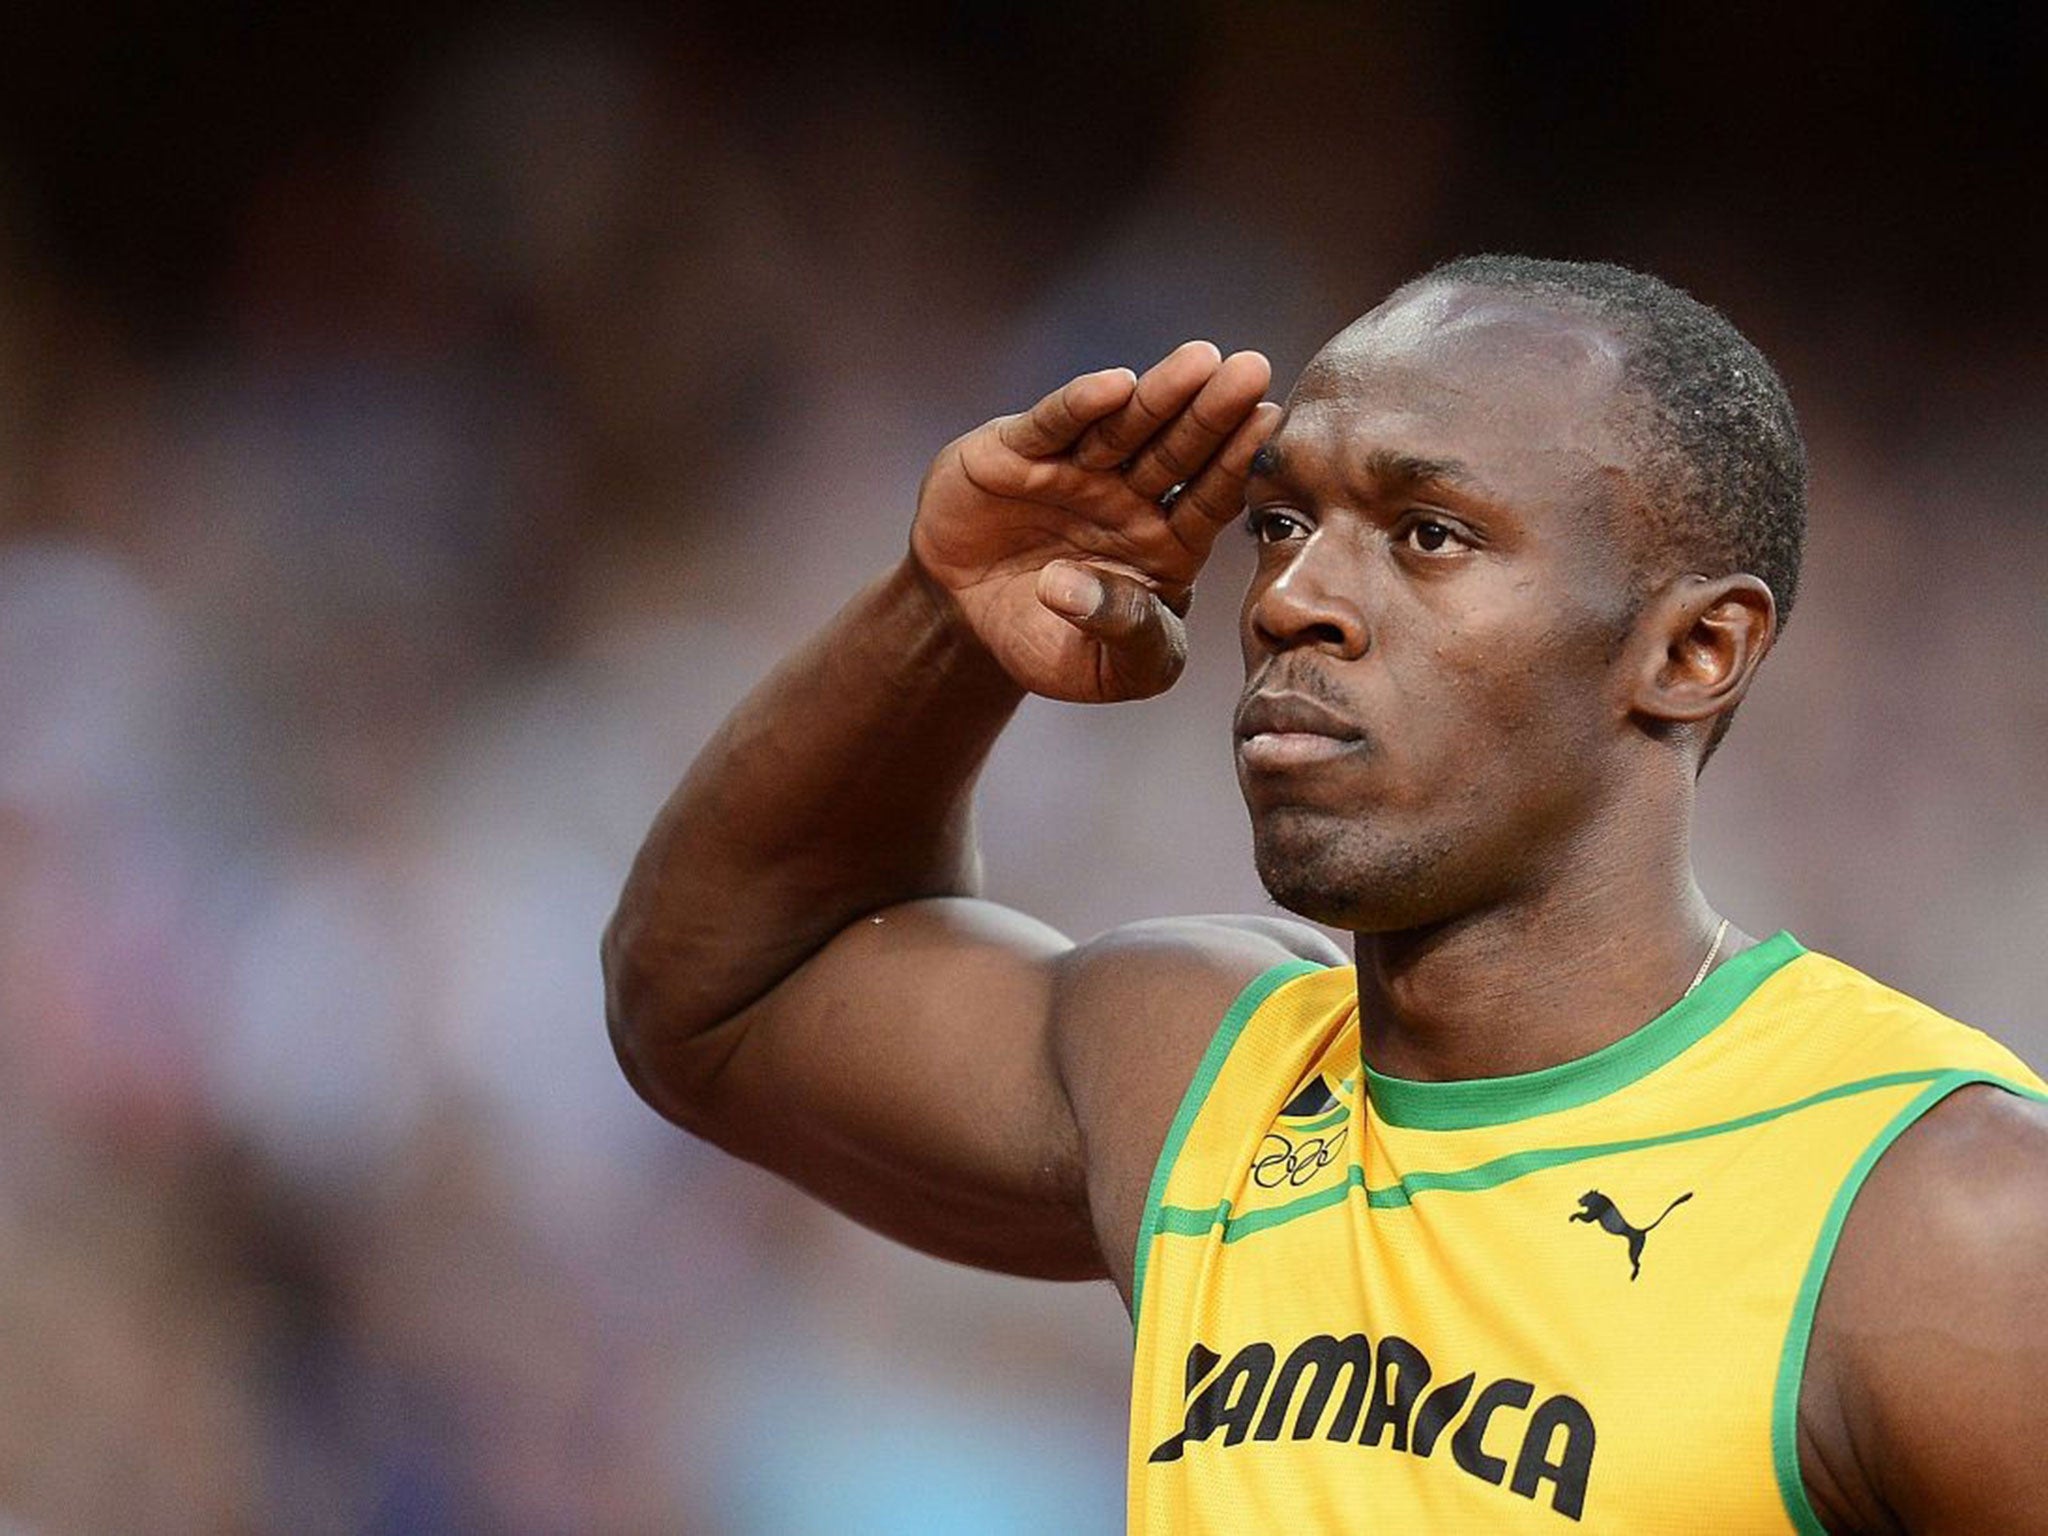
(1308, 1137)
(1596, 1209)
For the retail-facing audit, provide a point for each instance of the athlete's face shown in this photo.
(1432, 712)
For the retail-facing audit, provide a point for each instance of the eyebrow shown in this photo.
(1386, 466)
(1406, 469)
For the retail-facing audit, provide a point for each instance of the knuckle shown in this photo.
(1098, 452)
(1117, 439)
(1168, 455)
(1143, 415)
(1213, 423)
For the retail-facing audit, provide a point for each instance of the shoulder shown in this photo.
(1929, 1322)
(1217, 946)
(1133, 1013)
(1985, 1147)
(1960, 1198)
(1167, 977)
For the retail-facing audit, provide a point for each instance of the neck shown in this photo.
(1542, 979)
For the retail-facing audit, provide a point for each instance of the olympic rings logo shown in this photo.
(1295, 1163)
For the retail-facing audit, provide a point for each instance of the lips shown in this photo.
(1283, 730)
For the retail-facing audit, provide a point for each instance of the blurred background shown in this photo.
(419, 423)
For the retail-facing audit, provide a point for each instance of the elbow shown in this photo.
(647, 1037)
(625, 995)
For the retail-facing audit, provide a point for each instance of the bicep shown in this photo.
(904, 1074)
(962, 1078)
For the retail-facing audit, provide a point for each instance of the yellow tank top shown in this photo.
(1575, 1297)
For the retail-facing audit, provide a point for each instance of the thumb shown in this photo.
(1143, 640)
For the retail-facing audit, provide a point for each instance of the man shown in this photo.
(1525, 1222)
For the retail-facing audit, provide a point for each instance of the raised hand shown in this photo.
(1059, 536)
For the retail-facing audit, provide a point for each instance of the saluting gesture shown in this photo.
(1069, 536)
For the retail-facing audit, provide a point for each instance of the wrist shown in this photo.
(946, 636)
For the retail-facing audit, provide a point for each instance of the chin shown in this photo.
(1342, 875)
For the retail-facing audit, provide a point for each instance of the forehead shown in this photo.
(1522, 395)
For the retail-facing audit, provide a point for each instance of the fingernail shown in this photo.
(1072, 592)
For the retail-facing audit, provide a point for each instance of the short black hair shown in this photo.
(1723, 462)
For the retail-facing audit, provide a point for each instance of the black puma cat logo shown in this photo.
(1596, 1207)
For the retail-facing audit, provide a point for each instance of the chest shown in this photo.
(1509, 1331)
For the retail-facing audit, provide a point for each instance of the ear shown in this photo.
(1697, 644)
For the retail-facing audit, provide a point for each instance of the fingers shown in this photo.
(1215, 497)
(1161, 395)
(1052, 425)
(1143, 641)
(1180, 452)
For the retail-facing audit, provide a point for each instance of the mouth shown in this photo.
(1280, 731)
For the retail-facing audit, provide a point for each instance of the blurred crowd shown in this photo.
(353, 626)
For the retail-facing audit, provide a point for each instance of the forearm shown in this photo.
(842, 784)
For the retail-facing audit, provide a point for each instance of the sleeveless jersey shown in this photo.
(1577, 1298)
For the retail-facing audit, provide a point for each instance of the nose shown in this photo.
(1313, 600)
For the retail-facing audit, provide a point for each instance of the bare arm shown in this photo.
(798, 969)
(840, 787)
(1928, 1375)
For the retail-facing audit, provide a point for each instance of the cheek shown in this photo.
(1516, 678)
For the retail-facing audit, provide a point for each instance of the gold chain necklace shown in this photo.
(1707, 964)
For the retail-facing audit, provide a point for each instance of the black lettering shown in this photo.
(1570, 1469)
(1201, 1360)
(1390, 1387)
(1230, 1400)
(1468, 1445)
(1437, 1411)
(1327, 1356)
(1170, 1448)
(1398, 1379)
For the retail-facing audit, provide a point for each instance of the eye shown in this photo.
(1434, 536)
(1274, 525)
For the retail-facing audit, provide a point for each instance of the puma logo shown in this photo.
(1596, 1208)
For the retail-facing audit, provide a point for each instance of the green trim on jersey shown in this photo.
(1457, 1106)
(1261, 987)
(1182, 1221)
(1792, 1362)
